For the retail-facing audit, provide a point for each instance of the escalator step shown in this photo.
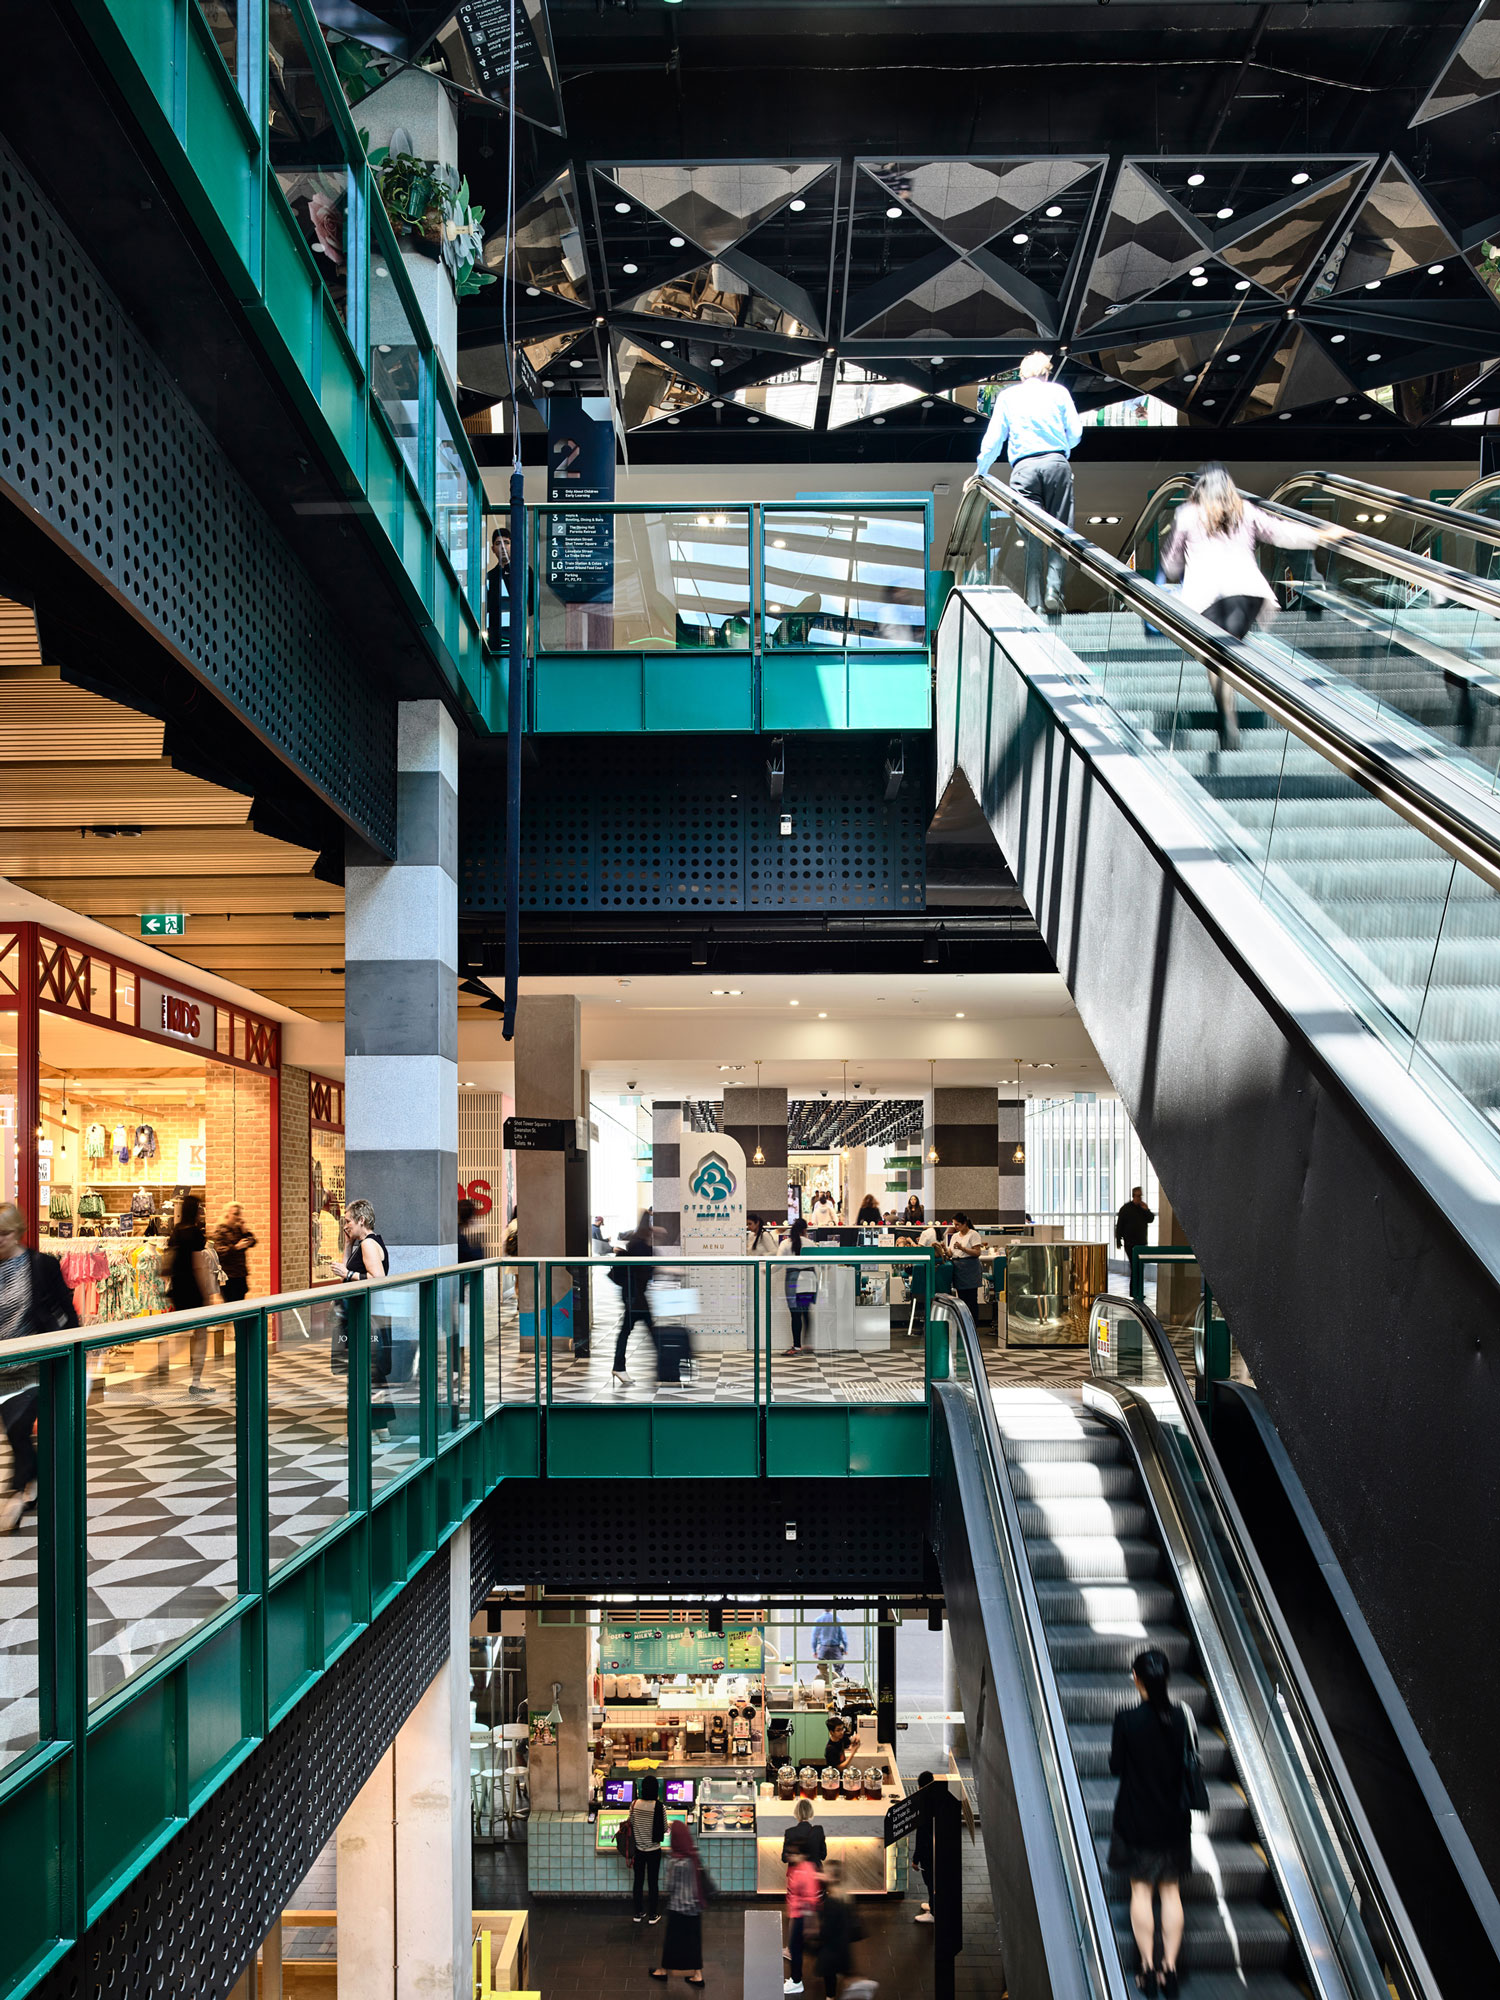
(1094, 1697)
(1078, 1480)
(1233, 1870)
(1087, 1648)
(1092, 1558)
(1107, 1603)
(1246, 1934)
(1092, 1448)
(1043, 1519)
(1228, 1817)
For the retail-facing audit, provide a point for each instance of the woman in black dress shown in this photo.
(1151, 1841)
(687, 1892)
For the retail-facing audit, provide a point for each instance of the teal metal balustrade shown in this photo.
(250, 126)
(806, 615)
(226, 1498)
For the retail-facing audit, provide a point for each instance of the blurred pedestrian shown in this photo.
(687, 1896)
(233, 1241)
(635, 1302)
(191, 1282)
(34, 1298)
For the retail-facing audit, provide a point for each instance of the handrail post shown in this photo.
(62, 1606)
(427, 1366)
(252, 1399)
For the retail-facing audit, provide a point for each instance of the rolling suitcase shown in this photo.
(674, 1354)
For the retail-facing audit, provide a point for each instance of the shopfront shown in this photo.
(325, 1120)
(123, 1093)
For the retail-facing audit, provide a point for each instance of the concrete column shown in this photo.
(548, 1081)
(760, 1116)
(1011, 1132)
(666, 1171)
(966, 1134)
(405, 1867)
(559, 1772)
(401, 1003)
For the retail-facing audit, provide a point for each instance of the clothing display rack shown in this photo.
(111, 1279)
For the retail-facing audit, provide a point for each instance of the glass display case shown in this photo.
(726, 1806)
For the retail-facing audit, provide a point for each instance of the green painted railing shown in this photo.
(308, 253)
(225, 1499)
(786, 616)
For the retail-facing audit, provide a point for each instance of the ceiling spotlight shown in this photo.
(1231, 357)
(622, 208)
(385, 347)
(1341, 399)
(718, 404)
(752, 420)
(822, 1017)
(575, 364)
(382, 272)
(715, 361)
(630, 269)
(797, 206)
(1373, 285)
(669, 343)
(548, 384)
(1365, 415)
(1372, 357)
(1209, 401)
(1195, 180)
(1096, 520)
(958, 1017)
(1335, 339)
(1286, 416)
(1020, 237)
(674, 420)
(779, 542)
(1196, 272)
(794, 1003)
(971, 420)
(893, 214)
(1111, 520)
(1434, 270)
(1199, 281)
(927, 402)
(676, 242)
(1055, 210)
(878, 420)
(1298, 180)
(1361, 517)
(1377, 517)
(533, 291)
(1223, 214)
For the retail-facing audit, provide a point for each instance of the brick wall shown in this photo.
(238, 1159)
(296, 1181)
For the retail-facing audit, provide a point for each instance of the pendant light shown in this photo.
(65, 1116)
(757, 1158)
(844, 1118)
(1018, 1157)
(932, 1151)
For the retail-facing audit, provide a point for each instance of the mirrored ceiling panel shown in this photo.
(715, 205)
(960, 303)
(1450, 393)
(1200, 372)
(1298, 371)
(790, 397)
(1472, 73)
(859, 395)
(969, 201)
(1281, 250)
(1396, 230)
(550, 257)
(715, 295)
(651, 390)
(1147, 241)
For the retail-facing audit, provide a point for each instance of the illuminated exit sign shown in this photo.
(170, 924)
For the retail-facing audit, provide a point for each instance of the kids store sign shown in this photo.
(164, 1012)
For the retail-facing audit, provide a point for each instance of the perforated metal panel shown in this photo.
(97, 441)
(574, 1535)
(656, 827)
(189, 1923)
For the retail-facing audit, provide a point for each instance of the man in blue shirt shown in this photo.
(1038, 419)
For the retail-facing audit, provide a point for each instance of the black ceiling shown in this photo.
(841, 218)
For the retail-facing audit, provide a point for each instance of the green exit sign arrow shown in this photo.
(169, 924)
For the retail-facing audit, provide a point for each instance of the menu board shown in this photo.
(681, 1650)
(580, 551)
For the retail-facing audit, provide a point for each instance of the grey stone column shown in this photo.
(666, 1170)
(965, 1132)
(401, 1003)
(760, 1115)
(1012, 1133)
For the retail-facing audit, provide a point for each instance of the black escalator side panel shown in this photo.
(1435, 1884)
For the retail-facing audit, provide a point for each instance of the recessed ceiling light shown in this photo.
(958, 1017)
(1195, 180)
(630, 269)
(715, 361)
(893, 214)
(1209, 401)
(797, 206)
(1373, 285)
(1055, 210)
(382, 272)
(575, 364)
(971, 420)
(779, 542)
(752, 420)
(1096, 520)
(1190, 378)
(1434, 270)
(676, 242)
(1196, 272)
(1111, 520)
(533, 291)
(1372, 357)
(927, 402)
(1365, 415)
(1231, 357)
(794, 1003)
(1223, 213)
(1243, 285)
(1361, 517)
(1341, 399)
(1020, 237)
(1335, 339)
(879, 420)
(385, 347)
(1298, 180)
(822, 1017)
(622, 208)
(1199, 281)
(547, 385)
(669, 343)
(673, 420)
(1286, 416)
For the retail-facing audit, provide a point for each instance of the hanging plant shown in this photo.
(430, 210)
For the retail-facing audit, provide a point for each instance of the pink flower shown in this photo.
(327, 218)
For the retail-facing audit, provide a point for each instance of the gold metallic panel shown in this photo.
(1050, 1290)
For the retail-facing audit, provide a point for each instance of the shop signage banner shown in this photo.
(176, 1015)
(580, 552)
(713, 1225)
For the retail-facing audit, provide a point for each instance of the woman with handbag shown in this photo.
(1154, 1754)
(801, 1285)
(687, 1896)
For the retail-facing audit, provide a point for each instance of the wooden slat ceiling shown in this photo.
(93, 817)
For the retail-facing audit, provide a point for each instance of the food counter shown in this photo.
(853, 1824)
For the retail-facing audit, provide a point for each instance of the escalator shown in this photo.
(1284, 944)
(1071, 1537)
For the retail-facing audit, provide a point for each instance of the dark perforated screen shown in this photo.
(97, 441)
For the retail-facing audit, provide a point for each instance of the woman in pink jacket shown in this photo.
(1212, 552)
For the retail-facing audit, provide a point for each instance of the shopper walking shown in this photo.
(470, 1234)
(648, 1829)
(915, 1214)
(762, 1238)
(233, 1242)
(1133, 1226)
(804, 1837)
(964, 1246)
(1151, 1838)
(687, 1897)
(824, 1215)
(1212, 552)
(635, 1303)
(839, 1930)
(191, 1282)
(368, 1258)
(801, 1285)
(1037, 419)
(34, 1298)
(869, 1213)
(804, 1890)
(921, 1845)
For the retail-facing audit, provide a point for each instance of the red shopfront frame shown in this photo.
(44, 972)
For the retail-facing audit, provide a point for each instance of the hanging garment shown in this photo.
(150, 1288)
(141, 1203)
(117, 1294)
(145, 1142)
(59, 1206)
(91, 1205)
(95, 1142)
(120, 1145)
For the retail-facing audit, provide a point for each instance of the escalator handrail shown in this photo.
(1422, 572)
(1421, 791)
(1358, 1840)
(1442, 514)
(1093, 1915)
(1489, 484)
